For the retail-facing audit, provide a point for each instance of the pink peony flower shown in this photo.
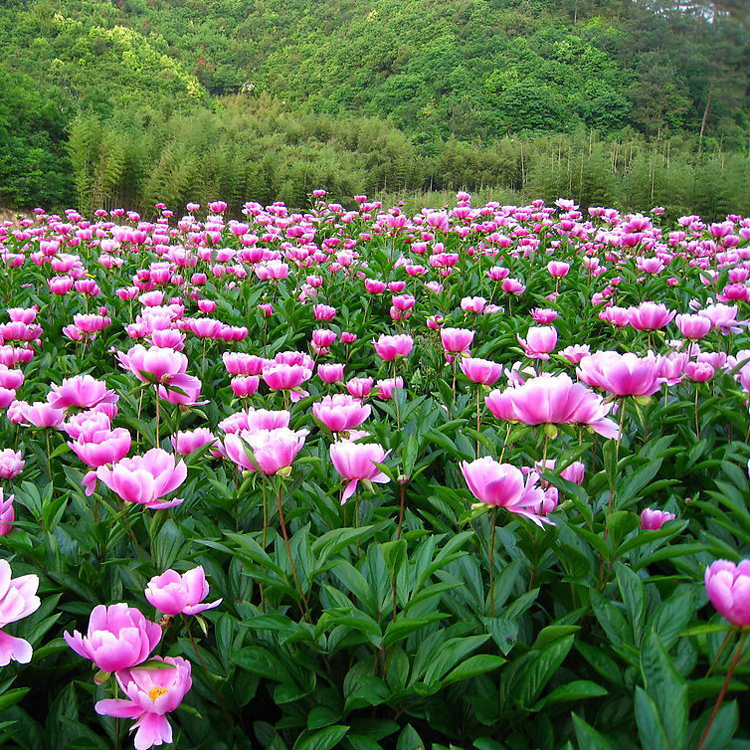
(355, 462)
(693, 327)
(654, 519)
(40, 414)
(102, 447)
(341, 412)
(539, 341)
(456, 340)
(11, 463)
(503, 485)
(622, 374)
(186, 442)
(390, 347)
(728, 587)
(174, 594)
(18, 599)
(650, 316)
(145, 479)
(118, 637)
(151, 693)
(481, 370)
(553, 399)
(7, 513)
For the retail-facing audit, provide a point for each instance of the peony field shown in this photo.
(473, 477)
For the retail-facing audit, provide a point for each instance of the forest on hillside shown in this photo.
(132, 102)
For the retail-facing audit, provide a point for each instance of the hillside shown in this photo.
(441, 73)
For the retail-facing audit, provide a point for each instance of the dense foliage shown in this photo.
(497, 540)
(442, 82)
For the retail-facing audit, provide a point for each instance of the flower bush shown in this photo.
(472, 478)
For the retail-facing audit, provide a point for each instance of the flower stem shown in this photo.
(479, 416)
(401, 512)
(295, 575)
(724, 688)
(158, 415)
(492, 562)
(697, 420)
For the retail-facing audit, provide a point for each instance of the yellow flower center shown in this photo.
(157, 692)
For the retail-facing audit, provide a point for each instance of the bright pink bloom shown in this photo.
(102, 447)
(245, 385)
(18, 599)
(10, 379)
(543, 315)
(151, 693)
(355, 462)
(283, 377)
(456, 340)
(558, 269)
(723, 317)
(86, 423)
(331, 373)
(373, 286)
(273, 451)
(503, 485)
(693, 327)
(145, 479)
(728, 587)
(553, 399)
(481, 370)
(175, 594)
(324, 312)
(388, 385)
(118, 637)
(154, 365)
(238, 363)
(359, 387)
(539, 341)
(622, 374)
(616, 316)
(575, 353)
(473, 304)
(672, 367)
(654, 519)
(41, 414)
(341, 412)
(11, 463)
(7, 513)
(699, 372)
(650, 316)
(189, 441)
(182, 389)
(82, 391)
(168, 338)
(390, 347)
(323, 337)
(60, 284)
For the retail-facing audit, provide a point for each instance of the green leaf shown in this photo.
(325, 739)
(541, 668)
(650, 728)
(589, 738)
(573, 691)
(503, 631)
(399, 629)
(472, 667)
(666, 688)
(10, 697)
(409, 739)
(633, 594)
